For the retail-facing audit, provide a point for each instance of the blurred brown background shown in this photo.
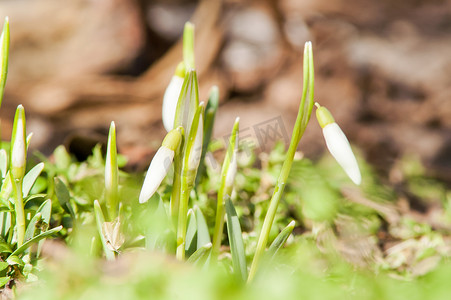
(382, 67)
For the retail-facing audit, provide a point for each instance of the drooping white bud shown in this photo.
(160, 165)
(338, 144)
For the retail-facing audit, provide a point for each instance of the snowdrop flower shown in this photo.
(171, 96)
(160, 164)
(338, 144)
(19, 145)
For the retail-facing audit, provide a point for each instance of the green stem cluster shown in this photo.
(303, 117)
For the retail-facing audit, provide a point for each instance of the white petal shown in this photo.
(171, 96)
(339, 147)
(158, 169)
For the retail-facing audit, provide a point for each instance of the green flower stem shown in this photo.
(226, 188)
(298, 130)
(176, 187)
(182, 219)
(4, 55)
(188, 46)
(19, 211)
(189, 170)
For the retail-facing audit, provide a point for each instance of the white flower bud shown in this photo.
(160, 164)
(338, 144)
(18, 145)
(157, 171)
(339, 147)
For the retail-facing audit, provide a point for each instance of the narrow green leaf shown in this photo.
(5, 225)
(13, 260)
(200, 254)
(31, 229)
(4, 57)
(36, 239)
(30, 178)
(158, 232)
(280, 240)
(188, 102)
(191, 234)
(203, 235)
(236, 241)
(100, 219)
(228, 172)
(209, 120)
(62, 193)
(46, 211)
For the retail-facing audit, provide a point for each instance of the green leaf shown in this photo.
(62, 193)
(203, 235)
(5, 247)
(4, 280)
(14, 260)
(3, 265)
(188, 102)
(4, 57)
(236, 241)
(280, 240)
(45, 210)
(209, 120)
(62, 158)
(228, 172)
(37, 238)
(30, 178)
(31, 229)
(200, 254)
(100, 219)
(191, 234)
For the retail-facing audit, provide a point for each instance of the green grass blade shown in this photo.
(100, 219)
(209, 120)
(31, 229)
(280, 240)
(236, 241)
(4, 57)
(30, 178)
(191, 234)
(203, 235)
(200, 254)
(37, 238)
(62, 193)
(228, 172)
